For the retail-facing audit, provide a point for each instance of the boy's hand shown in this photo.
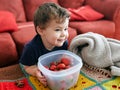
(41, 78)
(34, 71)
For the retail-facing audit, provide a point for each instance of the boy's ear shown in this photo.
(39, 30)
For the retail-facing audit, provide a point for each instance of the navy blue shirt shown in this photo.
(34, 49)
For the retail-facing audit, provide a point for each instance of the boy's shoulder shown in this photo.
(36, 41)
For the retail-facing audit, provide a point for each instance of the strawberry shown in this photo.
(66, 61)
(61, 66)
(53, 67)
(68, 66)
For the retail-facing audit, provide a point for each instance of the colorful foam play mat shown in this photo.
(89, 79)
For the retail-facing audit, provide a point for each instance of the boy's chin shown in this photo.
(59, 45)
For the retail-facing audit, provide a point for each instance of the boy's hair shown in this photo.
(47, 12)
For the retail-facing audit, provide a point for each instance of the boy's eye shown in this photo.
(57, 30)
(66, 29)
(61, 30)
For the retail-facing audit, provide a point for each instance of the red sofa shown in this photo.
(17, 26)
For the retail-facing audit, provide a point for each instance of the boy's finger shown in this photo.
(43, 82)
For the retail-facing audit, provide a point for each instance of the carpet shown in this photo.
(90, 78)
(12, 78)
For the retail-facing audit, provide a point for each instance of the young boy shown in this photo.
(51, 24)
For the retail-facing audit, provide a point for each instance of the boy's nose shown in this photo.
(63, 33)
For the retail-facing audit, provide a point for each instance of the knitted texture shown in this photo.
(96, 50)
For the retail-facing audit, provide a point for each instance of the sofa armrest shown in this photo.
(8, 51)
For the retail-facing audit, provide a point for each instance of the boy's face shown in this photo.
(55, 34)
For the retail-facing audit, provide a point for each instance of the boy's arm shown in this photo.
(32, 70)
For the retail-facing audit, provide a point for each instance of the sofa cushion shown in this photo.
(117, 24)
(85, 13)
(32, 5)
(74, 16)
(9, 23)
(104, 27)
(8, 52)
(71, 3)
(106, 7)
(25, 33)
(14, 6)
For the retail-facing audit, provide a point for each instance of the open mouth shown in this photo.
(61, 40)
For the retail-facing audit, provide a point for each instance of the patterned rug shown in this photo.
(90, 78)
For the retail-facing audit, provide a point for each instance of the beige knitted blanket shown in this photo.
(98, 51)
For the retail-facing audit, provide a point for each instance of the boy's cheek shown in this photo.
(67, 35)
